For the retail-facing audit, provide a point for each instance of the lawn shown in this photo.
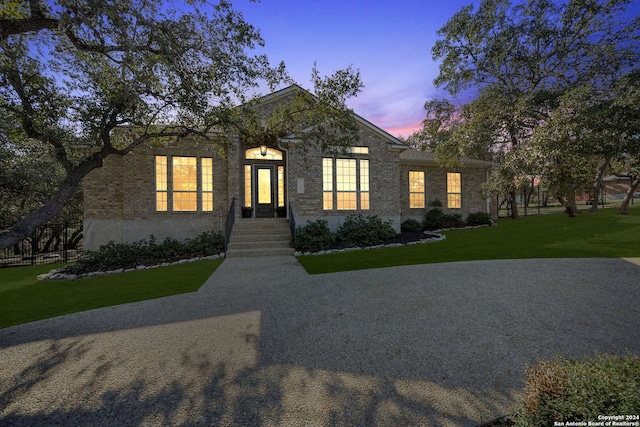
(23, 298)
(605, 234)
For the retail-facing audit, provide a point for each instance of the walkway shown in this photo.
(264, 343)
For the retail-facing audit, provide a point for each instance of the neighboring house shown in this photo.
(185, 188)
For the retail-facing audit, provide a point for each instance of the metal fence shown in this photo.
(52, 242)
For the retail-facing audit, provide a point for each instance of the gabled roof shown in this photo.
(394, 142)
(416, 157)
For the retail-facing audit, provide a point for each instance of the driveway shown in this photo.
(264, 343)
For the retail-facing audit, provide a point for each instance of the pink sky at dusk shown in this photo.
(388, 41)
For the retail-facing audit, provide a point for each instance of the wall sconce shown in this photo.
(263, 150)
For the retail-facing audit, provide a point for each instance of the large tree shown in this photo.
(522, 58)
(71, 73)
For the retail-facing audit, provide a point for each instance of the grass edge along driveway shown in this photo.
(604, 234)
(24, 299)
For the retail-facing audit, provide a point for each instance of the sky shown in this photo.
(389, 42)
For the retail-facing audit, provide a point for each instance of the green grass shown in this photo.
(605, 234)
(23, 298)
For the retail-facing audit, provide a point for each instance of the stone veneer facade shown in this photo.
(120, 200)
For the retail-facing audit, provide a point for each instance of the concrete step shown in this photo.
(260, 237)
(259, 252)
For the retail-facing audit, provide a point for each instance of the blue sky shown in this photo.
(388, 41)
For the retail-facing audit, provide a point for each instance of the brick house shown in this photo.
(185, 188)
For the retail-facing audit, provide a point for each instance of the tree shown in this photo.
(523, 59)
(73, 73)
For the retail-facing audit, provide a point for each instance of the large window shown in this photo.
(191, 182)
(416, 189)
(345, 184)
(454, 196)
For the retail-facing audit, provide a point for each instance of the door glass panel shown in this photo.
(264, 186)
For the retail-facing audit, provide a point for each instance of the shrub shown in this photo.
(580, 390)
(478, 218)
(452, 221)
(128, 255)
(360, 230)
(433, 217)
(314, 236)
(411, 226)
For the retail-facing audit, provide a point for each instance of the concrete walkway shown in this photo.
(263, 343)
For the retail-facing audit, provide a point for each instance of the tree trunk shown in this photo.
(514, 205)
(624, 208)
(598, 184)
(572, 209)
(26, 226)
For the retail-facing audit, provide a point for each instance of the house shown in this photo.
(182, 189)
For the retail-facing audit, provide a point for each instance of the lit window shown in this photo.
(364, 184)
(327, 184)
(416, 189)
(351, 190)
(161, 183)
(247, 185)
(346, 184)
(269, 154)
(207, 184)
(454, 196)
(281, 186)
(184, 186)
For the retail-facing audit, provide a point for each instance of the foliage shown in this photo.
(361, 230)
(478, 218)
(453, 220)
(314, 236)
(411, 225)
(569, 390)
(24, 299)
(71, 74)
(433, 217)
(525, 60)
(113, 255)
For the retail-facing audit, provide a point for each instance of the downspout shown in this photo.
(486, 181)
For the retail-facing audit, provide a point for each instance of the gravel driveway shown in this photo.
(263, 343)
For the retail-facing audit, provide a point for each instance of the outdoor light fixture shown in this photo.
(263, 150)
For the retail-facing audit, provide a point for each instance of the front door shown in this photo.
(265, 186)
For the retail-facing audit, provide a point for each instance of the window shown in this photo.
(416, 189)
(269, 154)
(191, 182)
(161, 183)
(185, 184)
(351, 189)
(327, 184)
(207, 184)
(247, 186)
(454, 196)
(280, 186)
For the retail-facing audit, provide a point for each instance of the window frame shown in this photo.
(165, 176)
(454, 190)
(415, 191)
(345, 184)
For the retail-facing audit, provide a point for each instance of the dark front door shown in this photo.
(265, 185)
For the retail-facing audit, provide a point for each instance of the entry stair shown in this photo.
(260, 237)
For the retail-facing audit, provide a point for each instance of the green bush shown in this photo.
(452, 221)
(411, 226)
(113, 255)
(478, 218)
(314, 236)
(580, 390)
(433, 217)
(361, 230)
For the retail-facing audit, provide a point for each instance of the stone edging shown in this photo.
(395, 245)
(57, 275)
